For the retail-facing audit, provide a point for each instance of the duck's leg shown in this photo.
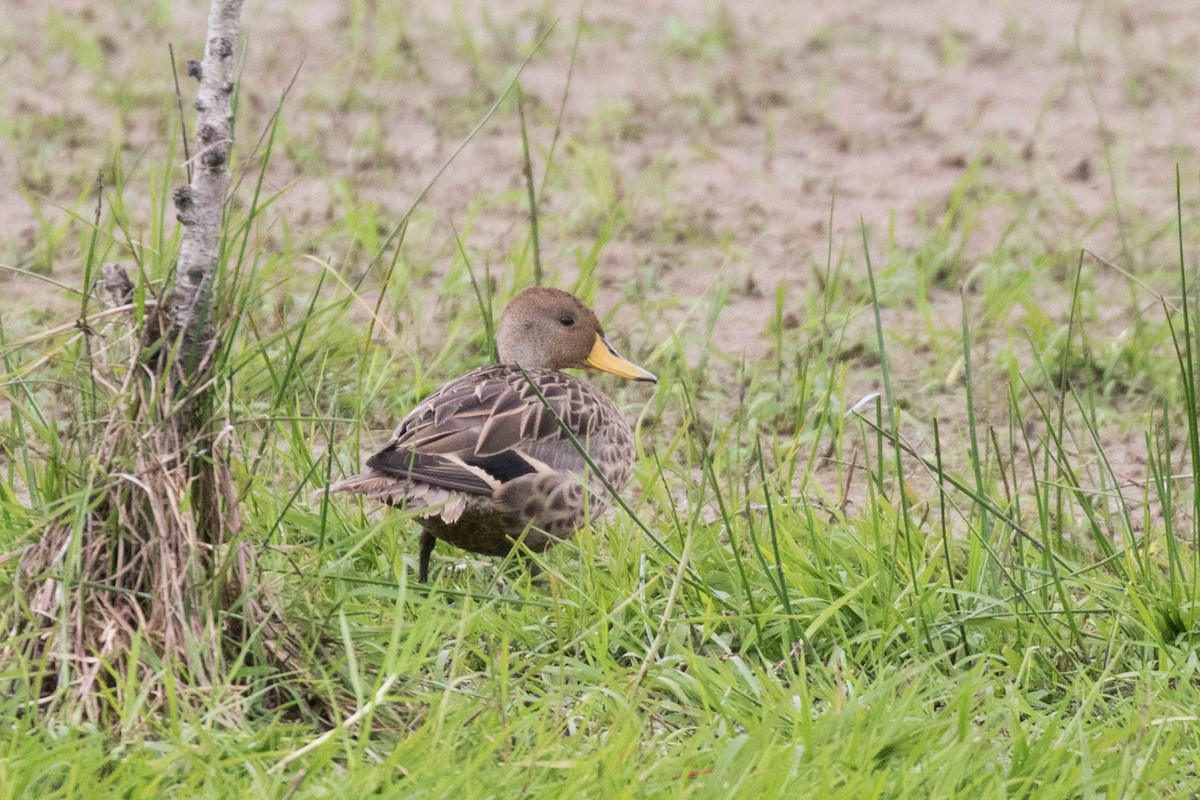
(535, 569)
(425, 550)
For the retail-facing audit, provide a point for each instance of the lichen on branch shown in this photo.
(200, 205)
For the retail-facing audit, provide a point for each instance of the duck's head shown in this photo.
(551, 329)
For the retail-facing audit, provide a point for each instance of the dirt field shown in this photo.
(981, 143)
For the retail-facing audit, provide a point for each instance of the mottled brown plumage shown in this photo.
(485, 461)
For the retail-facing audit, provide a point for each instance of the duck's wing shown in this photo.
(490, 427)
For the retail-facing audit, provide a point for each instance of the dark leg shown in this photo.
(535, 569)
(423, 554)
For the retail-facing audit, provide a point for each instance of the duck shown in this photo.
(497, 456)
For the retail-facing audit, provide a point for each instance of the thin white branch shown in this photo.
(201, 203)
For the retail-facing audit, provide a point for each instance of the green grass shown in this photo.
(950, 591)
(1019, 624)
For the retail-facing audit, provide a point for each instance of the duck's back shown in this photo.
(497, 425)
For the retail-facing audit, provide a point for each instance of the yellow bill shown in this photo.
(603, 357)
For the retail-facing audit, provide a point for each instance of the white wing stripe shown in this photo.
(474, 470)
(537, 464)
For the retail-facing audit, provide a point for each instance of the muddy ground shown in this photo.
(736, 145)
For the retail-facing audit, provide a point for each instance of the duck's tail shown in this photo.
(426, 500)
(372, 484)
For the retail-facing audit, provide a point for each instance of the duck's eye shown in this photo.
(567, 319)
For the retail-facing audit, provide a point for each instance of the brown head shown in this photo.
(551, 329)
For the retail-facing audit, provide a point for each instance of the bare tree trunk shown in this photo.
(201, 207)
(201, 204)
(159, 504)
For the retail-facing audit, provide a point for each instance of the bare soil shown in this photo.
(745, 140)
